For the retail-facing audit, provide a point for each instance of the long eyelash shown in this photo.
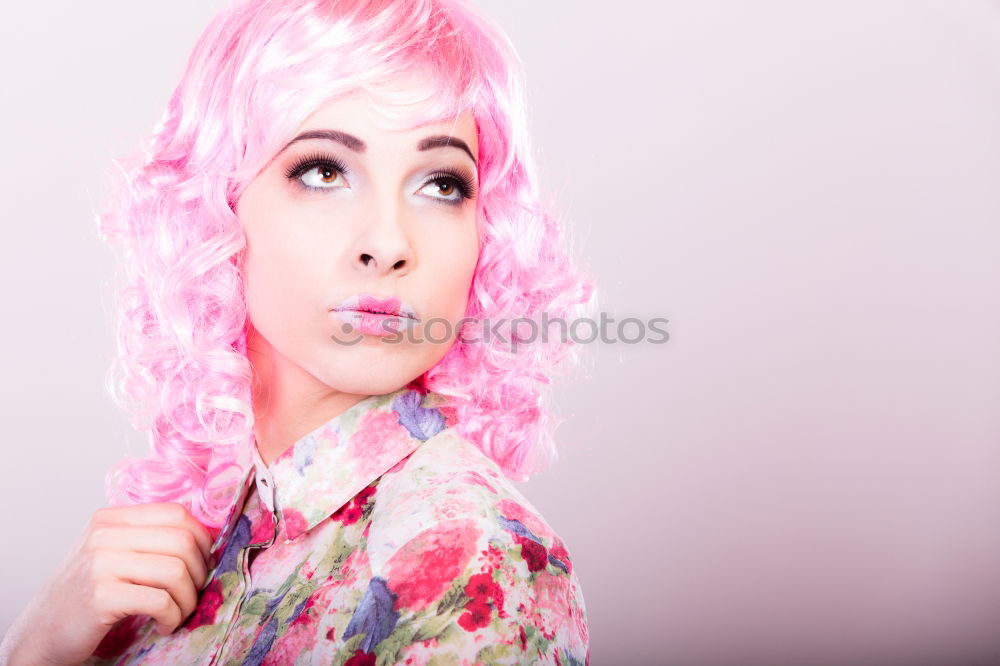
(314, 160)
(466, 185)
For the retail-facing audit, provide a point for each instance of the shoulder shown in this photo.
(474, 570)
(448, 479)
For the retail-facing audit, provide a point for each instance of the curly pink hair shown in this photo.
(258, 70)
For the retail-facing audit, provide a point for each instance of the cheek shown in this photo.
(454, 258)
(278, 270)
(271, 277)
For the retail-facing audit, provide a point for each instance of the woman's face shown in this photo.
(349, 210)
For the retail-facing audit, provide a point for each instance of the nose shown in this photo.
(384, 247)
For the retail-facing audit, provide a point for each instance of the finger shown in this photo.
(124, 599)
(156, 539)
(158, 571)
(156, 513)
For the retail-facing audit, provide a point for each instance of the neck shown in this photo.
(288, 402)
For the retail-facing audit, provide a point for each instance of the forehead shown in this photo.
(384, 122)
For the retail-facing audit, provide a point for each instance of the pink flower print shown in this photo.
(321, 600)
(532, 552)
(514, 511)
(551, 605)
(482, 587)
(356, 562)
(347, 514)
(450, 415)
(362, 497)
(481, 590)
(398, 466)
(300, 637)
(263, 527)
(208, 605)
(121, 635)
(421, 571)
(328, 438)
(453, 507)
(351, 512)
(558, 552)
(376, 434)
(551, 593)
(476, 478)
(292, 522)
(307, 571)
(580, 623)
(493, 557)
(360, 658)
(477, 615)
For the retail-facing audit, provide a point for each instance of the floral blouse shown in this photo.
(382, 537)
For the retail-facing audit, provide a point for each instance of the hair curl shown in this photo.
(257, 71)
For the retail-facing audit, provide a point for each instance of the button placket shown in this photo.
(265, 482)
(265, 492)
(266, 487)
(215, 553)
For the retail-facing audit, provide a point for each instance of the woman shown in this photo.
(326, 244)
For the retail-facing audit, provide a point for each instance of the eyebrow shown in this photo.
(357, 145)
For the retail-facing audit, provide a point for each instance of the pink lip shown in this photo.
(376, 316)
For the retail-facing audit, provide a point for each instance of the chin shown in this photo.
(371, 385)
(366, 376)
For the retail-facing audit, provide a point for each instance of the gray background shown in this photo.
(809, 470)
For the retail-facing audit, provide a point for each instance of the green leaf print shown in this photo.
(255, 605)
(433, 626)
(497, 653)
(388, 650)
(455, 597)
(351, 645)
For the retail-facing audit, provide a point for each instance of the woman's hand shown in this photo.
(145, 559)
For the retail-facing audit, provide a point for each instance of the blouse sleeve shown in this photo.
(518, 601)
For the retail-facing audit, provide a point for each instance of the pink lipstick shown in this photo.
(372, 315)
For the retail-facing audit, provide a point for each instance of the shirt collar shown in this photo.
(323, 470)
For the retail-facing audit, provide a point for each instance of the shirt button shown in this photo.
(266, 492)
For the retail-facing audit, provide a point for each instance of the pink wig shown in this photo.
(258, 70)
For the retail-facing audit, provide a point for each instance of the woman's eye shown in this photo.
(322, 177)
(318, 172)
(444, 188)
